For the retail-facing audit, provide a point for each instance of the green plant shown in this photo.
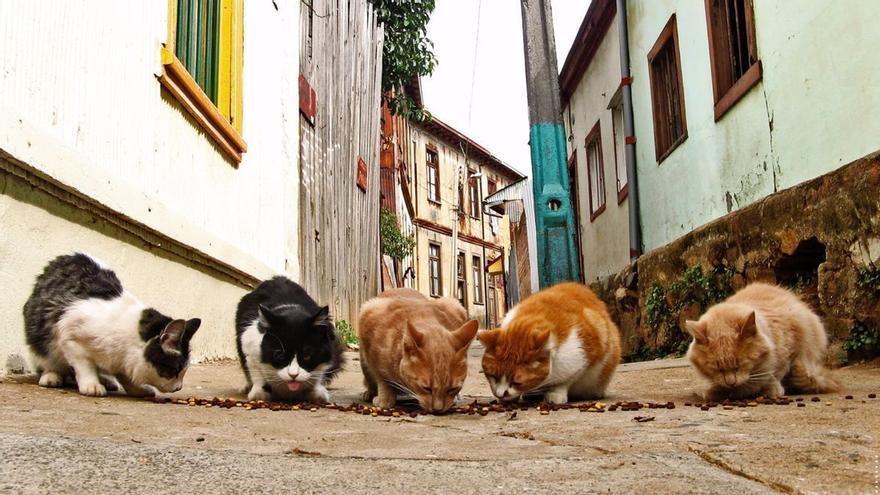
(862, 341)
(392, 241)
(346, 332)
(869, 278)
(406, 52)
(663, 308)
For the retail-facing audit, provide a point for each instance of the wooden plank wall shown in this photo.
(339, 223)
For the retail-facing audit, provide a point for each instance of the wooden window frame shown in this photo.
(726, 99)
(595, 136)
(622, 192)
(439, 272)
(474, 194)
(430, 150)
(478, 279)
(222, 122)
(669, 33)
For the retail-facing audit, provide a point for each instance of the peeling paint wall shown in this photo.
(604, 240)
(813, 111)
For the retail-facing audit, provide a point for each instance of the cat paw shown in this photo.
(94, 389)
(257, 393)
(774, 389)
(367, 396)
(384, 403)
(556, 397)
(51, 379)
(319, 395)
(109, 383)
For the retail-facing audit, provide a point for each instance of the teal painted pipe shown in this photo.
(554, 216)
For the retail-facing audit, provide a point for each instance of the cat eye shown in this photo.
(427, 390)
(516, 384)
(453, 391)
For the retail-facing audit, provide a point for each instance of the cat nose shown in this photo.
(729, 379)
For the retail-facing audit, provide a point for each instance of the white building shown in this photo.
(189, 195)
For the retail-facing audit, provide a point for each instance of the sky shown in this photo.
(487, 101)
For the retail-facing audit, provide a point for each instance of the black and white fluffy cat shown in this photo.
(80, 321)
(287, 343)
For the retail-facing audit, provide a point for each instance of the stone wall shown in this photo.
(820, 238)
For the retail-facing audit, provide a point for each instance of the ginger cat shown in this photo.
(756, 340)
(559, 341)
(416, 346)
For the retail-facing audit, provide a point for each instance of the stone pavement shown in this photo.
(58, 441)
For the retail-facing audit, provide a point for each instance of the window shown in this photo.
(461, 290)
(733, 52)
(478, 280)
(201, 67)
(670, 127)
(474, 194)
(619, 151)
(492, 187)
(492, 306)
(434, 269)
(595, 172)
(433, 175)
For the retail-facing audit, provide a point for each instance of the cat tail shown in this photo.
(815, 379)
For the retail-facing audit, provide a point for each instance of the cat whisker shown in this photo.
(402, 388)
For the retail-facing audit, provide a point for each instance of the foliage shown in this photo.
(869, 278)
(393, 242)
(862, 341)
(346, 332)
(407, 52)
(694, 289)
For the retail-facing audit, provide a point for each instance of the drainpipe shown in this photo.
(635, 222)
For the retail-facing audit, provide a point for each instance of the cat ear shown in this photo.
(322, 314)
(488, 338)
(749, 328)
(462, 337)
(697, 330)
(190, 328)
(171, 336)
(266, 316)
(539, 338)
(412, 339)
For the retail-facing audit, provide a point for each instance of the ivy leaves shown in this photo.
(407, 52)
(393, 242)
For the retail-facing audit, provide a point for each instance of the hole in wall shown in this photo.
(801, 268)
(554, 204)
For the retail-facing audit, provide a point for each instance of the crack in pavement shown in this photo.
(720, 464)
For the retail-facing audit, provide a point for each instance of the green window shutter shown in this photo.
(198, 37)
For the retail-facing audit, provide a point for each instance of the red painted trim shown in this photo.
(630, 140)
(593, 28)
(442, 229)
(626, 81)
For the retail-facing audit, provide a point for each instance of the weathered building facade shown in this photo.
(456, 239)
(743, 112)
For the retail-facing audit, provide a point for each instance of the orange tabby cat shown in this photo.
(416, 346)
(756, 340)
(560, 342)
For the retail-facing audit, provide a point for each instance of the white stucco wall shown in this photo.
(80, 103)
(605, 240)
(819, 91)
(81, 76)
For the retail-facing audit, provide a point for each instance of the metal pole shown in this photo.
(554, 215)
(635, 224)
(483, 237)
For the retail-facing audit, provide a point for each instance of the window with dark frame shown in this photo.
(619, 151)
(492, 187)
(434, 269)
(733, 51)
(461, 290)
(492, 304)
(433, 174)
(478, 279)
(595, 172)
(474, 194)
(667, 92)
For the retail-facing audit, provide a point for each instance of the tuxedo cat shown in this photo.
(287, 343)
(79, 321)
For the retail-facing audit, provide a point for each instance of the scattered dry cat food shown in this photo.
(801, 404)
(815, 399)
(872, 396)
(643, 419)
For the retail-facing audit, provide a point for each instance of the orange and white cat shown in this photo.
(763, 340)
(414, 345)
(559, 342)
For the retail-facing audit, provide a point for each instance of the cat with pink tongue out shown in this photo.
(287, 343)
